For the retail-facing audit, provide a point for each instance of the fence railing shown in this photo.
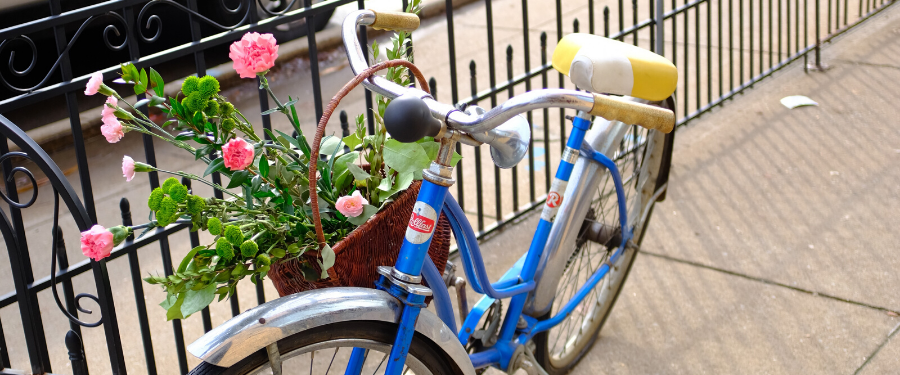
(721, 47)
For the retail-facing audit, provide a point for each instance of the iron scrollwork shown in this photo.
(154, 19)
(11, 183)
(30, 43)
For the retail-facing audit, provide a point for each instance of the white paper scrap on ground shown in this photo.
(795, 101)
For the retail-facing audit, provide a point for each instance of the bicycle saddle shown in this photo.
(606, 66)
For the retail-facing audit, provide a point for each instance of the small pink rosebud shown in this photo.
(351, 205)
(128, 168)
(238, 154)
(94, 84)
(254, 53)
(97, 243)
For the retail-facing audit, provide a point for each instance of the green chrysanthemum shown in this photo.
(212, 108)
(228, 125)
(156, 197)
(214, 225)
(226, 109)
(194, 102)
(234, 235)
(168, 183)
(195, 205)
(178, 193)
(261, 259)
(167, 209)
(208, 87)
(224, 249)
(190, 85)
(249, 248)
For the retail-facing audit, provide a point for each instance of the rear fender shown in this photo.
(265, 324)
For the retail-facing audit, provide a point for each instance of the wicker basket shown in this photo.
(375, 243)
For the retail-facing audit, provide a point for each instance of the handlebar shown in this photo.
(598, 105)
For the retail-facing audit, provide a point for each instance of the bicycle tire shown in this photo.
(594, 317)
(374, 334)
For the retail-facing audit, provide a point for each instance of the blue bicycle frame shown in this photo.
(515, 284)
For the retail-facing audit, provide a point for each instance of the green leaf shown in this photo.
(358, 173)
(214, 166)
(368, 211)
(169, 301)
(141, 102)
(155, 101)
(174, 311)
(402, 183)
(330, 145)
(385, 184)
(238, 178)
(341, 163)
(352, 141)
(183, 136)
(189, 257)
(144, 81)
(196, 300)
(431, 149)
(269, 111)
(288, 206)
(139, 89)
(455, 159)
(263, 166)
(158, 83)
(327, 260)
(405, 157)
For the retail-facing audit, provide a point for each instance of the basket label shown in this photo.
(421, 223)
(554, 199)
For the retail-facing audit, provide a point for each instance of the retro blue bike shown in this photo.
(546, 311)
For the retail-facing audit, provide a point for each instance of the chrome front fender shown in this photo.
(265, 324)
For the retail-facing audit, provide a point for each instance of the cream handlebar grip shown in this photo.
(650, 117)
(395, 21)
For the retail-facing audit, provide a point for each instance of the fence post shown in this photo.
(76, 353)
(660, 20)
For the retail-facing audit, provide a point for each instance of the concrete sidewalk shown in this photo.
(775, 251)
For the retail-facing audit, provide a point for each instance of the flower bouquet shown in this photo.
(262, 220)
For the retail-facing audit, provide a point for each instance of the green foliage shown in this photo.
(266, 217)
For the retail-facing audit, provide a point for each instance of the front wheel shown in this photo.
(326, 350)
(642, 156)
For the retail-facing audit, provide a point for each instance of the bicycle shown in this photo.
(559, 293)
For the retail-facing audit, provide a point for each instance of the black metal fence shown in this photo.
(721, 47)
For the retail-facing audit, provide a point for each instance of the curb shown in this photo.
(57, 135)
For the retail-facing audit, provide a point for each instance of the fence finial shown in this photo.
(76, 353)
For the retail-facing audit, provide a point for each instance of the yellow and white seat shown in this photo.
(606, 66)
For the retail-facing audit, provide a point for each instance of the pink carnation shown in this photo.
(238, 154)
(254, 53)
(96, 243)
(94, 84)
(351, 205)
(107, 110)
(112, 129)
(128, 168)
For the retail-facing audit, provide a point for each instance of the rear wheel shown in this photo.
(641, 157)
(326, 350)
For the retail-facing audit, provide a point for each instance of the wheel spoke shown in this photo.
(332, 360)
(380, 363)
